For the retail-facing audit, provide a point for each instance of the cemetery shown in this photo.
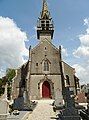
(66, 110)
(16, 109)
(69, 111)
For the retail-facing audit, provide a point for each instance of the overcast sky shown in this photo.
(18, 20)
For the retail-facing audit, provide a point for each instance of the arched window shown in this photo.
(67, 80)
(46, 66)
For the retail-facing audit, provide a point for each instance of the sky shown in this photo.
(18, 19)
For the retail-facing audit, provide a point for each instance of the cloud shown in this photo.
(64, 51)
(12, 44)
(32, 37)
(2, 72)
(82, 72)
(82, 52)
(83, 49)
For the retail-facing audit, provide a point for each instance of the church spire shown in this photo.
(45, 25)
(45, 11)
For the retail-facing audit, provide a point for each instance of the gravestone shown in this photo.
(25, 96)
(18, 103)
(22, 103)
(4, 105)
(3, 110)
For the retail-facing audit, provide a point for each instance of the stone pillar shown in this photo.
(4, 105)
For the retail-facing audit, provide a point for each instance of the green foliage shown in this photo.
(8, 78)
(1, 90)
(0, 83)
(10, 74)
(4, 80)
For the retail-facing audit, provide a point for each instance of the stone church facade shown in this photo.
(41, 76)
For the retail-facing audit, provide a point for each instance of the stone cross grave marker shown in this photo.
(69, 113)
(4, 105)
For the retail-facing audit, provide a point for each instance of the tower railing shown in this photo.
(45, 25)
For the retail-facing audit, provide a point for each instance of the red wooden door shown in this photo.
(46, 90)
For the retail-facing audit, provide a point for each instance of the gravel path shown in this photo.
(43, 111)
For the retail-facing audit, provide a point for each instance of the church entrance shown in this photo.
(46, 89)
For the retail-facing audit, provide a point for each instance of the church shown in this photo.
(42, 75)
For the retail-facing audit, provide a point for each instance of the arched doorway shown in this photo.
(46, 89)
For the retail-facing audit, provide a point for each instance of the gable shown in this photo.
(45, 49)
(45, 42)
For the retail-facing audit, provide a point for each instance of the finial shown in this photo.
(60, 48)
(60, 52)
(44, 9)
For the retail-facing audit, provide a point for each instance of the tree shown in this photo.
(1, 89)
(10, 74)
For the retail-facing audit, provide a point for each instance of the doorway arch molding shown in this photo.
(51, 86)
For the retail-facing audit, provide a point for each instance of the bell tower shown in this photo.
(45, 27)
